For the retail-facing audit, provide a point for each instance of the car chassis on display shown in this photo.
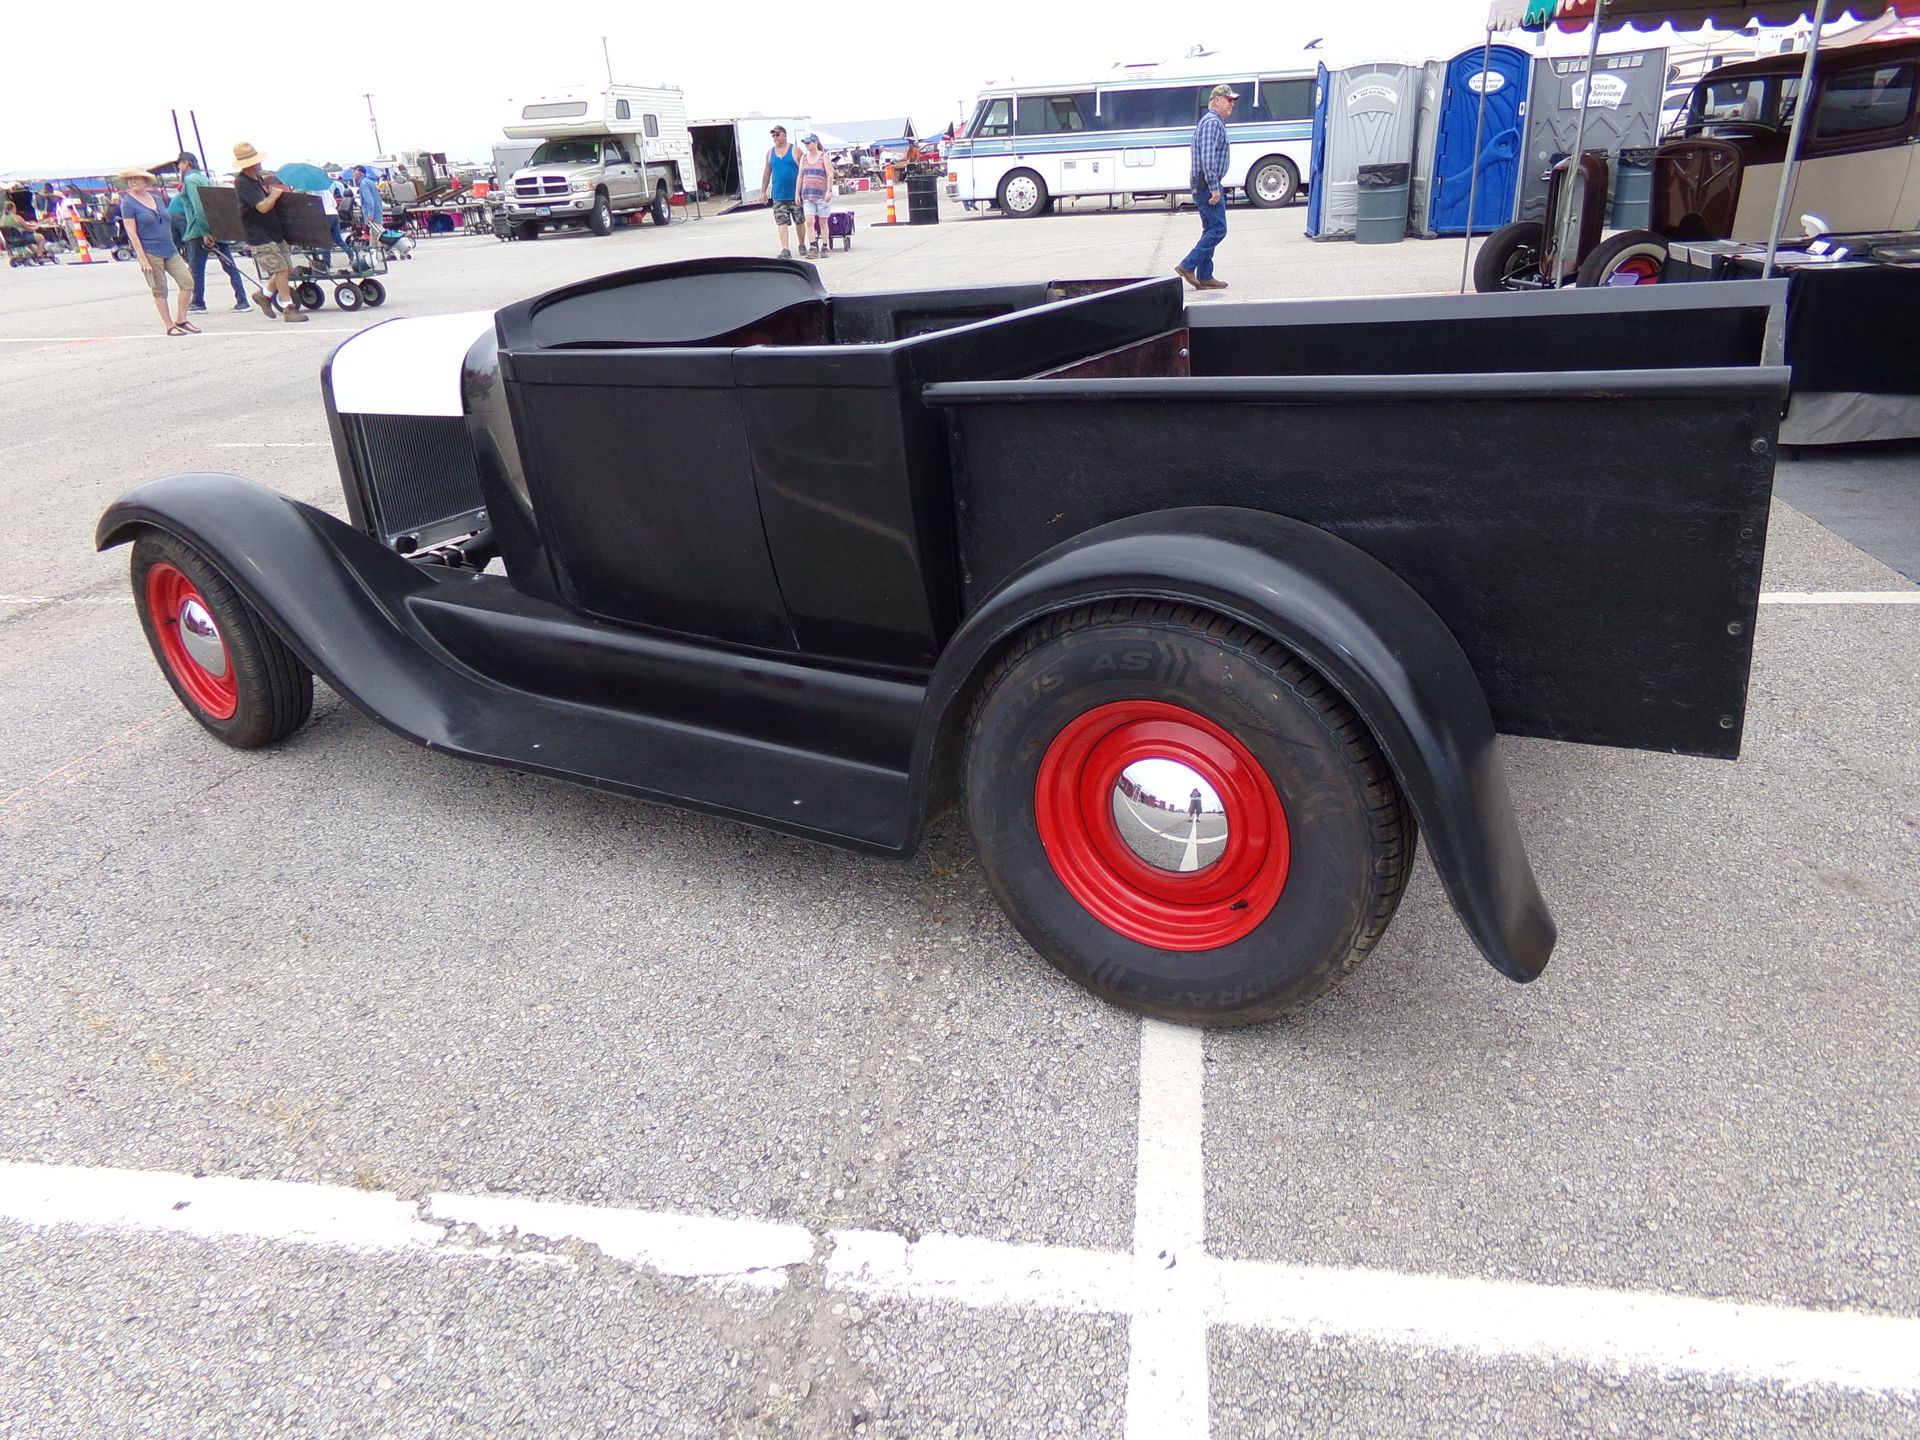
(1199, 614)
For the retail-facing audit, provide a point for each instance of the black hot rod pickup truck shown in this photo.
(1202, 615)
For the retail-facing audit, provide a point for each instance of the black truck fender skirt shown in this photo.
(1344, 613)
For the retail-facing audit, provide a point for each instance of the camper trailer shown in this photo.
(621, 150)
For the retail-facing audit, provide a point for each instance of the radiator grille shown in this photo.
(422, 484)
(542, 187)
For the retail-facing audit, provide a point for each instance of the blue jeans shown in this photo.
(1213, 229)
(197, 254)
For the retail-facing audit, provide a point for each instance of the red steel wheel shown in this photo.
(1180, 814)
(1188, 909)
(226, 665)
(190, 642)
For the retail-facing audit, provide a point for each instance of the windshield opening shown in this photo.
(566, 152)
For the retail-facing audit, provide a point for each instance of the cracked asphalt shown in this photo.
(351, 962)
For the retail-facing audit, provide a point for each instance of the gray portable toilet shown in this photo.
(1364, 115)
(1624, 114)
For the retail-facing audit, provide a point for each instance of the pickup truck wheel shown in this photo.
(234, 675)
(527, 230)
(1510, 259)
(1023, 194)
(1633, 257)
(1085, 754)
(662, 207)
(600, 218)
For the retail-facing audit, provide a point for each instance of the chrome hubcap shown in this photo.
(200, 637)
(1021, 195)
(1169, 815)
(1272, 183)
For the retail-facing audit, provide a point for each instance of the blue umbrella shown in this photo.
(310, 178)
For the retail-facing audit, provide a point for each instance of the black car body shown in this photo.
(804, 611)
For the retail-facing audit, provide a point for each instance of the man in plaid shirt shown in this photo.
(1209, 173)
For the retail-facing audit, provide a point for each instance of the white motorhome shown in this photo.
(604, 152)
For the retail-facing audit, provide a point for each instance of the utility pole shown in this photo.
(378, 149)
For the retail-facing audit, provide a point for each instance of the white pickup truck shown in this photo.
(618, 151)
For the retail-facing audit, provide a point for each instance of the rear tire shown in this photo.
(1273, 183)
(1316, 840)
(662, 211)
(1510, 254)
(1633, 257)
(347, 296)
(373, 292)
(1023, 195)
(225, 664)
(308, 295)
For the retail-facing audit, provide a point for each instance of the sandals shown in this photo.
(189, 327)
(176, 330)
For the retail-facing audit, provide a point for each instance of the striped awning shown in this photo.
(1681, 14)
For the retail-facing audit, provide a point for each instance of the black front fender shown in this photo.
(1356, 622)
(330, 592)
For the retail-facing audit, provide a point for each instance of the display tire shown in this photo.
(1339, 829)
(264, 692)
(309, 296)
(600, 218)
(1639, 254)
(662, 209)
(373, 292)
(1272, 183)
(1508, 253)
(1023, 194)
(347, 296)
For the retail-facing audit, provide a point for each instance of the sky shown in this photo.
(91, 86)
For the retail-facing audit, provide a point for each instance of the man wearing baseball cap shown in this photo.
(1210, 155)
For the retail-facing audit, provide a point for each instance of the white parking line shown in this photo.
(1840, 597)
(1168, 1286)
(1167, 1340)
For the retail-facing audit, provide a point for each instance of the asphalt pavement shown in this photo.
(533, 1111)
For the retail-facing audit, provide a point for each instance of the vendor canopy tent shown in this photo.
(1681, 14)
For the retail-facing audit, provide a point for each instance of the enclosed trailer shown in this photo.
(1624, 114)
(1466, 153)
(1361, 116)
(730, 153)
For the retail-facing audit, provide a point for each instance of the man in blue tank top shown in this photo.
(780, 183)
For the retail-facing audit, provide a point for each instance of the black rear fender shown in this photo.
(1343, 612)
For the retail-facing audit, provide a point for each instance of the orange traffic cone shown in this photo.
(892, 219)
(85, 257)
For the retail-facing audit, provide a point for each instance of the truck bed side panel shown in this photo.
(1596, 552)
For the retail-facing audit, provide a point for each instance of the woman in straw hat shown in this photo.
(145, 221)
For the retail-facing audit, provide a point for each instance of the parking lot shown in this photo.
(348, 1089)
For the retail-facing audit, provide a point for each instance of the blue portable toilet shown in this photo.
(1445, 160)
(1317, 157)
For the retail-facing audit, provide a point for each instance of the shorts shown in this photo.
(273, 257)
(786, 212)
(173, 265)
(815, 209)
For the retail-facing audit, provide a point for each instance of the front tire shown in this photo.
(1120, 886)
(225, 664)
(1633, 257)
(600, 218)
(347, 295)
(1273, 183)
(1023, 195)
(1510, 258)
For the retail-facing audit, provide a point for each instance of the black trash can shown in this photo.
(1381, 216)
(923, 200)
(1633, 190)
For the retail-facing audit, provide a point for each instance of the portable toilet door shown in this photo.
(1503, 82)
(1624, 114)
(1317, 159)
(1369, 115)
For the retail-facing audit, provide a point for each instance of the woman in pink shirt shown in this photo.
(816, 193)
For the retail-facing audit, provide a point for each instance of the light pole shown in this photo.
(378, 150)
